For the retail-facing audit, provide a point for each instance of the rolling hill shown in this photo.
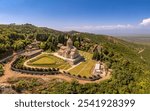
(130, 62)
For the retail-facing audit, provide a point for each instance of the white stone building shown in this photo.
(99, 69)
(70, 52)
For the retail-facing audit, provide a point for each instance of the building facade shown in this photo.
(70, 52)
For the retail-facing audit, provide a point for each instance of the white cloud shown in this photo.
(145, 22)
(100, 27)
(139, 28)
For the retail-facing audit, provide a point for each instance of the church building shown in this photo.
(70, 52)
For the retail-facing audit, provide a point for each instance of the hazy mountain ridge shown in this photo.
(137, 39)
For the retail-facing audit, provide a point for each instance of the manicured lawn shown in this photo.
(86, 55)
(48, 60)
(44, 61)
(84, 68)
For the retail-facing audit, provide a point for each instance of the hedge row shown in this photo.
(1, 70)
(35, 72)
(40, 71)
(91, 78)
(1, 73)
(49, 71)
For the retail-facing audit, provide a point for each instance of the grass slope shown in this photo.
(84, 68)
(48, 60)
(44, 61)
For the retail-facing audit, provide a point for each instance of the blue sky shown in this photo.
(115, 17)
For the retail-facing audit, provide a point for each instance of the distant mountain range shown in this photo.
(143, 39)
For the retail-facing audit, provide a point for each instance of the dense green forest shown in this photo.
(130, 69)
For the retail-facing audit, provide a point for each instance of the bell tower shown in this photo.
(69, 44)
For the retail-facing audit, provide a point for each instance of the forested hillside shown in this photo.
(130, 66)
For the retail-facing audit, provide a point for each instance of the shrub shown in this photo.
(46, 70)
(33, 69)
(91, 78)
(42, 69)
(79, 76)
(57, 69)
(24, 68)
(94, 76)
(54, 69)
(84, 77)
(53, 73)
(15, 66)
(20, 67)
(1, 73)
(57, 72)
(29, 69)
(20, 86)
(18, 63)
(39, 69)
(68, 73)
(49, 69)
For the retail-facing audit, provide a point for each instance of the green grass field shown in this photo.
(44, 60)
(85, 68)
(48, 60)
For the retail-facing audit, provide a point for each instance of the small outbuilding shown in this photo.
(97, 69)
